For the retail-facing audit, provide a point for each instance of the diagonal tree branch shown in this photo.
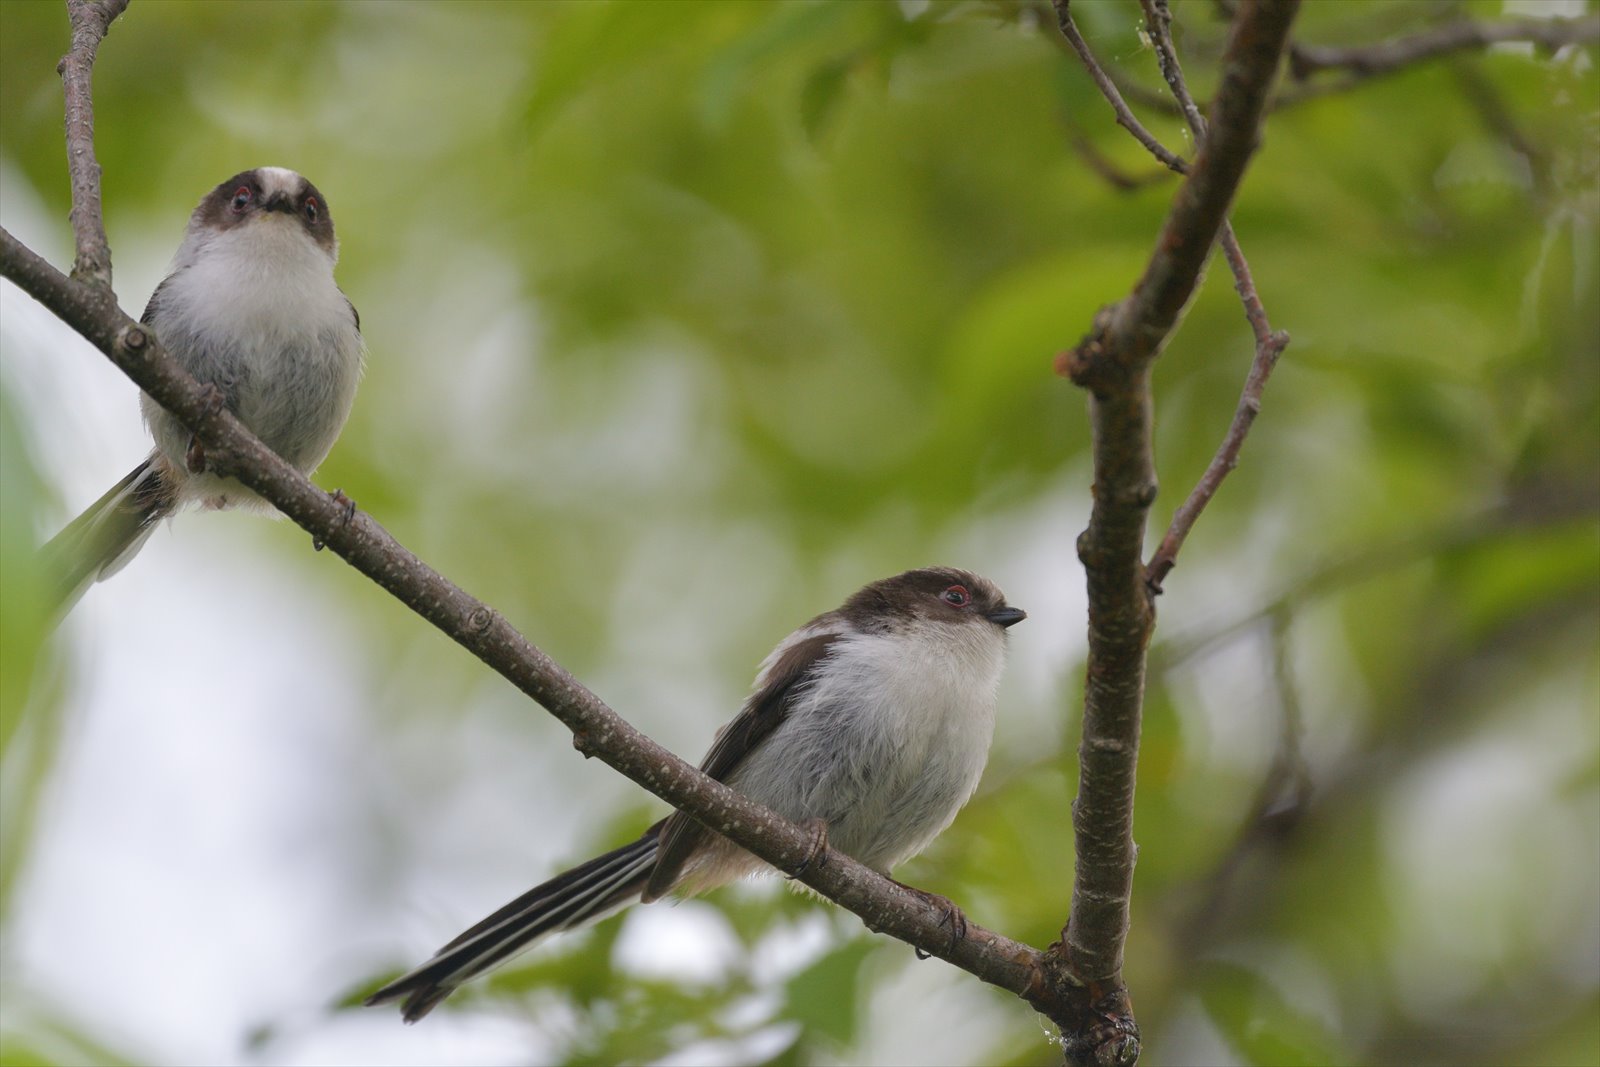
(91, 19)
(89, 307)
(1113, 364)
(598, 731)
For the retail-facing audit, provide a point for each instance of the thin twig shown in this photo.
(1113, 365)
(1226, 459)
(1322, 70)
(1536, 508)
(1388, 56)
(1129, 334)
(1138, 93)
(1530, 513)
(90, 21)
(1269, 345)
(1283, 799)
(1487, 99)
(1245, 285)
(1289, 765)
(1041, 12)
(1108, 89)
(1104, 166)
(1441, 690)
(1280, 801)
(1158, 25)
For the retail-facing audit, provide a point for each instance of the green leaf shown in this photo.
(17, 1053)
(820, 95)
(825, 997)
(1260, 1025)
(24, 610)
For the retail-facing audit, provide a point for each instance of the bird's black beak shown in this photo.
(279, 202)
(1005, 617)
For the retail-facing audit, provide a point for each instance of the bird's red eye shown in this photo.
(957, 595)
(241, 197)
(312, 208)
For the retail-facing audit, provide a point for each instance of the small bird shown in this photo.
(249, 306)
(871, 722)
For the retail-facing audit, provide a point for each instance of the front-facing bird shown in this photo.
(872, 720)
(251, 308)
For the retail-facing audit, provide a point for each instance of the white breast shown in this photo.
(890, 740)
(264, 283)
(256, 311)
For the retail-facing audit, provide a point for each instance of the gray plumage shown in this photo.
(251, 307)
(874, 718)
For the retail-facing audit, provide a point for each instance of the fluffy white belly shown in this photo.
(893, 737)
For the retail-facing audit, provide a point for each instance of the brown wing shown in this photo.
(762, 714)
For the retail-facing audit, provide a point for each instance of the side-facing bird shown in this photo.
(871, 722)
(251, 308)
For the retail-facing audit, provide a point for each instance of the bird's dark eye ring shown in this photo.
(241, 197)
(311, 208)
(957, 595)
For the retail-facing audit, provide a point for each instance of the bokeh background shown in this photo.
(685, 320)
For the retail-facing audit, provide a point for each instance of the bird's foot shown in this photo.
(952, 917)
(194, 457)
(816, 851)
(349, 506)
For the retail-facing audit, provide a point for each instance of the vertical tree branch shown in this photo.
(1158, 26)
(1113, 364)
(90, 21)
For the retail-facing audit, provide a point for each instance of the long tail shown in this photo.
(575, 898)
(102, 540)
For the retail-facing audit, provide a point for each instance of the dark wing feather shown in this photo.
(154, 305)
(761, 715)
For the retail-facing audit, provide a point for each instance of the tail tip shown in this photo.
(418, 1002)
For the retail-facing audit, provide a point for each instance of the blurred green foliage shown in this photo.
(706, 312)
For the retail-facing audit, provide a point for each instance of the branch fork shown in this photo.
(1113, 365)
(1077, 982)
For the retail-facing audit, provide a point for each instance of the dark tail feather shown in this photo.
(575, 898)
(108, 534)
